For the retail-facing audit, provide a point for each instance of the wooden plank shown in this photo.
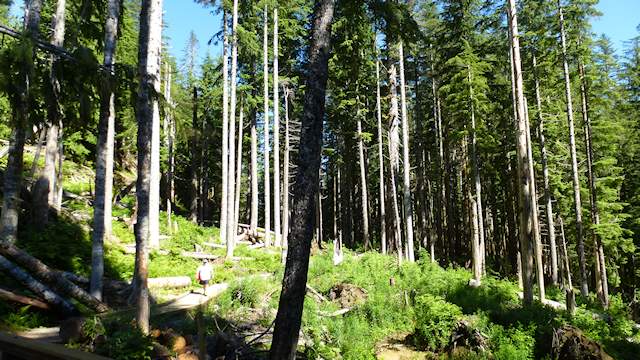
(16, 347)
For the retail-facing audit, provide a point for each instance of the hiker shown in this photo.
(204, 275)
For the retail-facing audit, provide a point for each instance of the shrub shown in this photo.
(127, 343)
(435, 320)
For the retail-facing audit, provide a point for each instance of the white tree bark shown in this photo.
(150, 42)
(254, 175)
(239, 166)
(394, 156)
(408, 212)
(276, 134)
(231, 226)
(383, 225)
(267, 182)
(285, 176)
(363, 185)
(225, 132)
(105, 149)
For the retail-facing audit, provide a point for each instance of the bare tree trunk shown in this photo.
(394, 156)
(225, 131)
(267, 182)
(383, 225)
(601, 274)
(584, 287)
(170, 134)
(569, 286)
(232, 230)
(37, 287)
(36, 158)
(363, 185)
(537, 250)
(288, 319)
(239, 166)
(276, 134)
(478, 214)
(150, 42)
(524, 176)
(195, 163)
(13, 172)
(285, 187)
(545, 173)
(408, 211)
(49, 276)
(254, 175)
(105, 147)
(45, 189)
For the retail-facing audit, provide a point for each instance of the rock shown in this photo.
(347, 295)
(71, 329)
(569, 343)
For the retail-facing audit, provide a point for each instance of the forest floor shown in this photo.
(365, 308)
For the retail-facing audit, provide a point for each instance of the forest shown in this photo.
(365, 179)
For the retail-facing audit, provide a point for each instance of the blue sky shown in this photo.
(619, 21)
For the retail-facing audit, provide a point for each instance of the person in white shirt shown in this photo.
(204, 274)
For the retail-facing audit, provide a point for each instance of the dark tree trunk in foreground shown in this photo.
(288, 319)
(147, 104)
(13, 171)
(104, 161)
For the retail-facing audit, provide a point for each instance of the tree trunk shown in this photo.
(537, 249)
(150, 41)
(236, 218)
(267, 182)
(232, 230)
(254, 174)
(285, 186)
(383, 225)
(394, 156)
(195, 163)
(524, 176)
(363, 185)
(545, 173)
(603, 288)
(225, 131)
(288, 319)
(584, 288)
(170, 139)
(45, 189)
(478, 212)
(569, 285)
(13, 172)
(52, 277)
(276, 134)
(408, 211)
(104, 160)
(37, 287)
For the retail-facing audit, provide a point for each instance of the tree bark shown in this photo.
(524, 176)
(602, 284)
(225, 131)
(363, 185)
(104, 159)
(406, 180)
(232, 230)
(276, 134)
(196, 145)
(288, 319)
(37, 287)
(584, 287)
(383, 225)
(13, 172)
(394, 157)
(478, 212)
(45, 189)
(285, 186)
(52, 277)
(545, 173)
(150, 41)
(267, 181)
(236, 217)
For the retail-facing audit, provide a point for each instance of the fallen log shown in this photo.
(37, 287)
(319, 297)
(214, 245)
(116, 285)
(335, 313)
(173, 282)
(10, 296)
(199, 255)
(51, 277)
